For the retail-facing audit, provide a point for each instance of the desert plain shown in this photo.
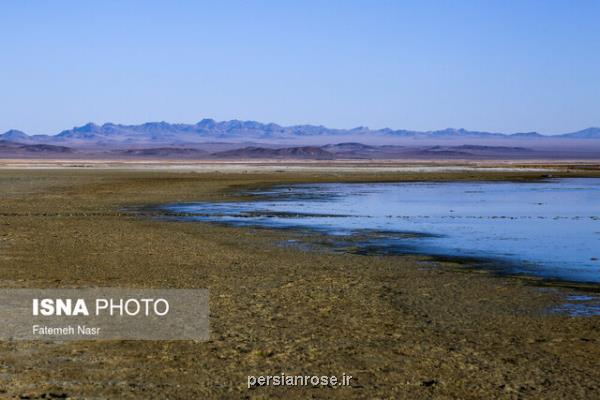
(404, 326)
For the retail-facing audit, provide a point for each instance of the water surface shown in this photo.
(549, 229)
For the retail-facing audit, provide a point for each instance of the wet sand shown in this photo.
(402, 326)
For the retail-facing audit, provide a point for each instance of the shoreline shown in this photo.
(495, 265)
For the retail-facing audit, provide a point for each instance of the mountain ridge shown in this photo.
(338, 151)
(206, 130)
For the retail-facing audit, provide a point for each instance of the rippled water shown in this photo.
(549, 229)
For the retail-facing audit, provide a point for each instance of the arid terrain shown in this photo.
(405, 327)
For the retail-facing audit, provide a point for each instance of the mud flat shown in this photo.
(279, 166)
(402, 326)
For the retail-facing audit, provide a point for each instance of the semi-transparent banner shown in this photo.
(104, 313)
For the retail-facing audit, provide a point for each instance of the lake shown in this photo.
(549, 228)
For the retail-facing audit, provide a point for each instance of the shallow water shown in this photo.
(549, 229)
(579, 306)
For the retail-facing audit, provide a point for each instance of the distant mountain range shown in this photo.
(17, 149)
(303, 152)
(209, 139)
(350, 151)
(159, 134)
(340, 151)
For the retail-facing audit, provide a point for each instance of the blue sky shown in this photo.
(504, 66)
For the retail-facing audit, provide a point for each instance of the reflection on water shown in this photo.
(549, 229)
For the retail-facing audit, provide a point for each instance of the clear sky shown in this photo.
(505, 66)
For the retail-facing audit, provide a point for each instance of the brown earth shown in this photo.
(404, 327)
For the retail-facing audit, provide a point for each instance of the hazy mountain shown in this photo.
(14, 136)
(360, 151)
(339, 151)
(527, 135)
(473, 151)
(304, 152)
(205, 130)
(164, 152)
(163, 134)
(449, 133)
(589, 133)
(348, 147)
(471, 147)
(14, 148)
